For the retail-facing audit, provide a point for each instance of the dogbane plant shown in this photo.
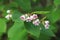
(31, 23)
(34, 19)
(29, 19)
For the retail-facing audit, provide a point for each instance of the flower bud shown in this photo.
(28, 19)
(22, 17)
(36, 22)
(46, 26)
(35, 16)
(10, 15)
(46, 22)
(8, 11)
(31, 17)
(26, 15)
(7, 17)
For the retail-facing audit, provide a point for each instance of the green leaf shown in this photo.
(2, 26)
(32, 29)
(53, 28)
(24, 4)
(13, 5)
(54, 15)
(17, 31)
(16, 15)
(40, 12)
(47, 32)
(2, 7)
(1, 1)
(34, 1)
(49, 3)
(43, 37)
(57, 2)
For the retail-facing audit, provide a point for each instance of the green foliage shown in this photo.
(32, 29)
(57, 2)
(22, 30)
(54, 15)
(40, 12)
(2, 7)
(53, 28)
(47, 32)
(43, 36)
(16, 15)
(17, 31)
(13, 5)
(24, 4)
(2, 26)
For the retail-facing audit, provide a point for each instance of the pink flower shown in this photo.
(22, 17)
(35, 16)
(28, 19)
(47, 26)
(36, 22)
(31, 17)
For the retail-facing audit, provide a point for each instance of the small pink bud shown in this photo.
(36, 22)
(35, 16)
(28, 19)
(22, 17)
(46, 26)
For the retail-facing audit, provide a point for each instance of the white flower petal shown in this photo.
(7, 17)
(46, 22)
(10, 15)
(31, 17)
(8, 11)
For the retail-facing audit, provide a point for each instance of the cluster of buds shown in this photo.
(30, 18)
(9, 15)
(34, 19)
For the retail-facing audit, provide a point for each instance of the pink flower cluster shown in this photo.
(30, 18)
(34, 19)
